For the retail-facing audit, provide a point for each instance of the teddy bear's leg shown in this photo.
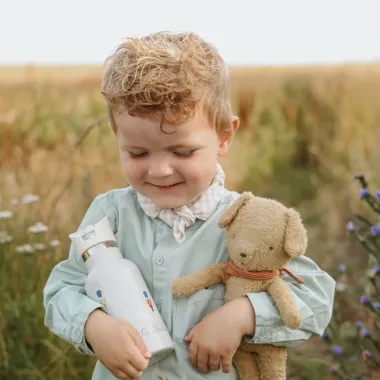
(246, 365)
(272, 362)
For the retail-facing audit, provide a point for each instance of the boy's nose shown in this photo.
(160, 169)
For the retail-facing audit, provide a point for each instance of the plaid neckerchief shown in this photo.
(183, 217)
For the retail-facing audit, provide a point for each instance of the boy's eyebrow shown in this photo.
(171, 147)
(186, 146)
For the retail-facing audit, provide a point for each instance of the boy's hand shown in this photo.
(215, 339)
(117, 345)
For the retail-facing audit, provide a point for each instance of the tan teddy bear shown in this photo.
(262, 236)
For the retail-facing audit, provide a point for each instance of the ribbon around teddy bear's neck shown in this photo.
(233, 270)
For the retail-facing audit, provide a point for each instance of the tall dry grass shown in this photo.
(304, 133)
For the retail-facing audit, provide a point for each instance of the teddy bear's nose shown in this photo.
(243, 255)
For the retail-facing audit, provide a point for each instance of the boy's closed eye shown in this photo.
(184, 154)
(178, 154)
(137, 155)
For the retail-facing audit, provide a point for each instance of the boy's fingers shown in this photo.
(193, 352)
(135, 357)
(130, 373)
(137, 360)
(118, 374)
(140, 344)
(202, 361)
(189, 337)
(226, 364)
(214, 362)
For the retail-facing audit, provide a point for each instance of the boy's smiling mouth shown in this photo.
(166, 187)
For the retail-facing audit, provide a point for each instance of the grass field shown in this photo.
(304, 133)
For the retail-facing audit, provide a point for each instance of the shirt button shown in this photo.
(160, 260)
(263, 334)
(77, 336)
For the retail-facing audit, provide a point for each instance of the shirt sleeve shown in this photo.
(66, 303)
(314, 300)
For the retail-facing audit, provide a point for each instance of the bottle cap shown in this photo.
(92, 235)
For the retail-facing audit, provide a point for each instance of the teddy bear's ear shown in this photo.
(232, 211)
(295, 234)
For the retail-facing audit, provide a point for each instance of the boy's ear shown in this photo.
(227, 135)
(235, 123)
(111, 127)
(111, 122)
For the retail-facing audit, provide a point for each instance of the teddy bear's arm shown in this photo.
(191, 283)
(282, 297)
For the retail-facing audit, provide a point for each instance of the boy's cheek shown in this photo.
(200, 170)
(132, 169)
(131, 174)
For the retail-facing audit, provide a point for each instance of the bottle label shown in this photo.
(102, 299)
(148, 300)
(156, 329)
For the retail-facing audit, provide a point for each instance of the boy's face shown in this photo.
(174, 167)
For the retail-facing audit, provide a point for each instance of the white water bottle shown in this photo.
(117, 284)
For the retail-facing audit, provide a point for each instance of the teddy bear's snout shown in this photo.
(243, 255)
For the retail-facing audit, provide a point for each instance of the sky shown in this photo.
(246, 32)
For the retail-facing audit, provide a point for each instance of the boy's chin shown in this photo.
(169, 201)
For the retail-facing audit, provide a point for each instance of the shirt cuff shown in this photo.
(269, 327)
(77, 336)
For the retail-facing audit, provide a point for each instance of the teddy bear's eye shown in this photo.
(271, 248)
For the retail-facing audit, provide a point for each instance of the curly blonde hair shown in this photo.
(167, 75)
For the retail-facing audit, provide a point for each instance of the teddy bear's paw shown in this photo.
(293, 320)
(180, 288)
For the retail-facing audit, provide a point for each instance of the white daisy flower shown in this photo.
(341, 286)
(5, 237)
(37, 228)
(30, 198)
(55, 243)
(6, 214)
(26, 248)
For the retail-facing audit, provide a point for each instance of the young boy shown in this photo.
(168, 99)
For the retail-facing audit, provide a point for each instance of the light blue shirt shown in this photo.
(150, 244)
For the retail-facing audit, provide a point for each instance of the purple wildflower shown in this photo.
(377, 269)
(363, 193)
(325, 336)
(359, 324)
(342, 268)
(378, 194)
(350, 226)
(364, 300)
(375, 230)
(333, 370)
(366, 355)
(376, 305)
(337, 350)
(364, 333)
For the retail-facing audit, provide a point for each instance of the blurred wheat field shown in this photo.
(304, 133)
